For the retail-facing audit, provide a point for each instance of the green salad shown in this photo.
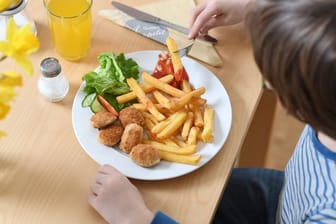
(109, 81)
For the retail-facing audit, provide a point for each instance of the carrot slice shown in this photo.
(107, 105)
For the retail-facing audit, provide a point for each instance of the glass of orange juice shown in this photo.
(70, 26)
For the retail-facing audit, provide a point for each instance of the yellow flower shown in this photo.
(6, 94)
(4, 109)
(21, 42)
(4, 4)
(10, 78)
(8, 81)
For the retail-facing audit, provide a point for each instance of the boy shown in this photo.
(294, 44)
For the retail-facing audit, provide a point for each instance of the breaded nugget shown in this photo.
(110, 135)
(130, 115)
(145, 155)
(102, 119)
(133, 135)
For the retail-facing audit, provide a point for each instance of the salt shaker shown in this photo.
(52, 84)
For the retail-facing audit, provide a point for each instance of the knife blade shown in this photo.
(140, 15)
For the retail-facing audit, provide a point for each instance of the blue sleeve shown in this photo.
(161, 218)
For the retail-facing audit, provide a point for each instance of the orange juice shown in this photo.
(70, 26)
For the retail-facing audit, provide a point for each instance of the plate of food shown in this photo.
(216, 98)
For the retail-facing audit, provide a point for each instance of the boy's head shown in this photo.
(294, 44)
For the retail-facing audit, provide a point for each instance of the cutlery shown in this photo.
(140, 15)
(184, 50)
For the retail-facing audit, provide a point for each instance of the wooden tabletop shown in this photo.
(44, 172)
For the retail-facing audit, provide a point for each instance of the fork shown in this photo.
(185, 50)
(205, 37)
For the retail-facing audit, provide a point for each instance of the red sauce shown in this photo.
(165, 67)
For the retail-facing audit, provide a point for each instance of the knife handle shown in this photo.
(207, 38)
(204, 37)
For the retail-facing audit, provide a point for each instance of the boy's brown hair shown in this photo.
(294, 44)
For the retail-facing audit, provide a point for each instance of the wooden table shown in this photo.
(45, 174)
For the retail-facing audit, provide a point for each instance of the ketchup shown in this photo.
(165, 67)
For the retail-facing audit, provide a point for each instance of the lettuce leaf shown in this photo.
(110, 77)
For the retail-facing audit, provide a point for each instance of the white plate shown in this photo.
(216, 96)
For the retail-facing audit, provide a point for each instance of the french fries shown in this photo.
(162, 85)
(173, 50)
(187, 119)
(192, 137)
(173, 125)
(187, 150)
(175, 119)
(184, 100)
(146, 88)
(162, 100)
(207, 134)
(187, 126)
(186, 87)
(187, 159)
(144, 99)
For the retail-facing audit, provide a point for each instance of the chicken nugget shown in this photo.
(133, 135)
(145, 155)
(110, 135)
(130, 115)
(102, 119)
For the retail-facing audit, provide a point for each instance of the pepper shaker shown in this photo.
(52, 84)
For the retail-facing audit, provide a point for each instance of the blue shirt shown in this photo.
(160, 218)
(309, 191)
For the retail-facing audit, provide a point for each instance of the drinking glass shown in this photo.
(70, 25)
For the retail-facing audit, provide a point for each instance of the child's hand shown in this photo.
(116, 199)
(212, 13)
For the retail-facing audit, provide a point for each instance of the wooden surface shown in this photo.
(44, 172)
(255, 148)
(285, 134)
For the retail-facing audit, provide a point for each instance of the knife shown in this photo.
(140, 15)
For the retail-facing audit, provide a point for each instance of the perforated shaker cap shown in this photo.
(50, 67)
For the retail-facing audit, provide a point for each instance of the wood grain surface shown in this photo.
(45, 174)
